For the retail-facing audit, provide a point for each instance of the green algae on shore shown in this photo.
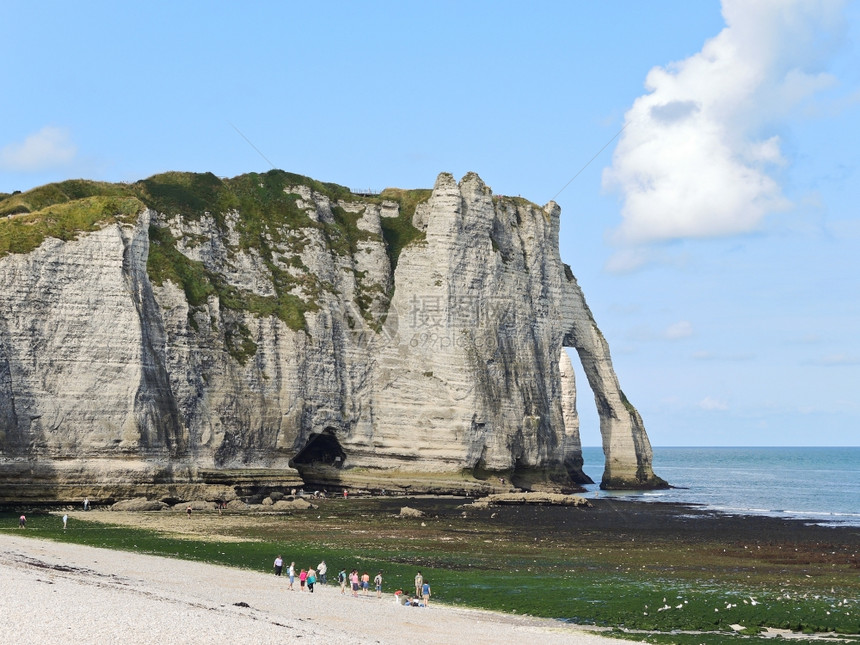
(655, 567)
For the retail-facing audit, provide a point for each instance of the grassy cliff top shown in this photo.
(67, 208)
(269, 219)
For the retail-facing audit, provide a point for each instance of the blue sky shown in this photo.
(716, 238)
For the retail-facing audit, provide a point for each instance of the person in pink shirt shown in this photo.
(303, 577)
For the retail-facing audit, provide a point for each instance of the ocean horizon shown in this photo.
(817, 484)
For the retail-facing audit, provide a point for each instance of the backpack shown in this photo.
(341, 577)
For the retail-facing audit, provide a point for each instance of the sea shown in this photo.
(818, 485)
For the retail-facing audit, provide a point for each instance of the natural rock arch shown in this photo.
(626, 447)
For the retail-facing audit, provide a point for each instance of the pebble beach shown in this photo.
(57, 592)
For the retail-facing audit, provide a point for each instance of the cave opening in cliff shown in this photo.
(321, 449)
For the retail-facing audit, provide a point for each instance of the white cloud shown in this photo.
(678, 330)
(698, 152)
(48, 148)
(710, 403)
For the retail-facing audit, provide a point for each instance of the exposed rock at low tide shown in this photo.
(297, 504)
(138, 504)
(547, 499)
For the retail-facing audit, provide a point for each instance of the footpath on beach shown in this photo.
(55, 592)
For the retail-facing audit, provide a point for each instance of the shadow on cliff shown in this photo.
(27, 482)
(24, 480)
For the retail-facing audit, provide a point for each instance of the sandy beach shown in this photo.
(57, 592)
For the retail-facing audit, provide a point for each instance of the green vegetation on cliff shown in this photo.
(52, 194)
(398, 231)
(165, 262)
(265, 209)
(65, 220)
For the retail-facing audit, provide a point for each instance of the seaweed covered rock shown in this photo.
(544, 499)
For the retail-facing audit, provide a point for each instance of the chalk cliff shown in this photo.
(189, 336)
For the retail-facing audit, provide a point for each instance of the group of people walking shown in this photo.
(307, 577)
(361, 582)
(310, 576)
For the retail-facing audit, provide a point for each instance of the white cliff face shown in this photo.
(447, 373)
(471, 378)
(72, 336)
